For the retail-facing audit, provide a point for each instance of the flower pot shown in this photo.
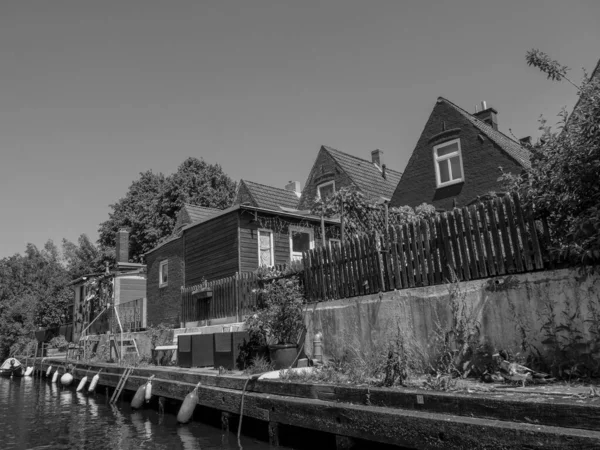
(283, 355)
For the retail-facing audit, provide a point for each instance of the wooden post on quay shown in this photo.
(274, 434)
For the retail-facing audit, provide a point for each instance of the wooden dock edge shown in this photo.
(384, 424)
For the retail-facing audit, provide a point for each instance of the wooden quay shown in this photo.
(368, 416)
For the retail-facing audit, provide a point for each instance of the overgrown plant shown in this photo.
(455, 344)
(562, 183)
(364, 216)
(279, 317)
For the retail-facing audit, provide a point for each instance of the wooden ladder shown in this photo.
(121, 384)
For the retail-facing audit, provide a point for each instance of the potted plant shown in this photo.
(280, 320)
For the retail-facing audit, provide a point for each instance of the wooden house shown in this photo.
(458, 158)
(235, 240)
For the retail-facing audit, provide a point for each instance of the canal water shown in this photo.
(40, 415)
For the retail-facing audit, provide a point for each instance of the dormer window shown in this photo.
(448, 163)
(326, 189)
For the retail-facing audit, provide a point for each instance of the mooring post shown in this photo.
(344, 442)
(274, 434)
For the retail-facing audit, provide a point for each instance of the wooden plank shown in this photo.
(375, 240)
(402, 255)
(393, 236)
(508, 256)
(353, 264)
(332, 272)
(437, 249)
(364, 274)
(468, 229)
(457, 270)
(409, 257)
(495, 237)
(447, 258)
(537, 252)
(386, 262)
(462, 244)
(514, 236)
(344, 271)
(427, 233)
(477, 232)
(487, 239)
(367, 250)
(412, 235)
(340, 271)
(525, 239)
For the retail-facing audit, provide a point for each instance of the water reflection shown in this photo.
(38, 414)
(188, 440)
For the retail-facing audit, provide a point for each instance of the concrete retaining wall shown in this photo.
(511, 312)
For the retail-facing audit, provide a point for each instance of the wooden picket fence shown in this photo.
(491, 238)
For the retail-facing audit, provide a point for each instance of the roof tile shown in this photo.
(270, 197)
(366, 175)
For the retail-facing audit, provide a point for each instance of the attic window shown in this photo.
(325, 190)
(448, 163)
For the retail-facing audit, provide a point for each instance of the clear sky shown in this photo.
(94, 92)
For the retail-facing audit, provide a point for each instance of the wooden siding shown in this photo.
(281, 241)
(131, 289)
(211, 249)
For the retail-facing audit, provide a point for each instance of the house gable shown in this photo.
(346, 170)
(485, 153)
(263, 196)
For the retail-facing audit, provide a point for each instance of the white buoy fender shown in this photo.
(48, 371)
(94, 382)
(81, 384)
(148, 390)
(66, 379)
(55, 377)
(187, 407)
(138, 399)
(29, 371)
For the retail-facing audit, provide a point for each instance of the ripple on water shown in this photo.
(36, 414)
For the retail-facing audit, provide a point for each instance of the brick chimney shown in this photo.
(294, 186)
(122, 246)
(377, 157)
(488, 115)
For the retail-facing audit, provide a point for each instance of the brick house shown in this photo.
(334, 169)
(222, 243)
(458, 158)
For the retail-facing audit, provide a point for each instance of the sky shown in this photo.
(94, 92)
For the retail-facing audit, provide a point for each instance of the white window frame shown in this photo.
(161, 268)
(332, 182)
(298, 255)
(270, 233)
(437, 159)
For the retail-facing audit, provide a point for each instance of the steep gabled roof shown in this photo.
(367, 176)
(199, 213)
(269, 197)
(511, 147)
(192, 214)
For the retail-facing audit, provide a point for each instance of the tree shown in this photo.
(83, 258)
(33, 293)
(562, 184)
(150, 206)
